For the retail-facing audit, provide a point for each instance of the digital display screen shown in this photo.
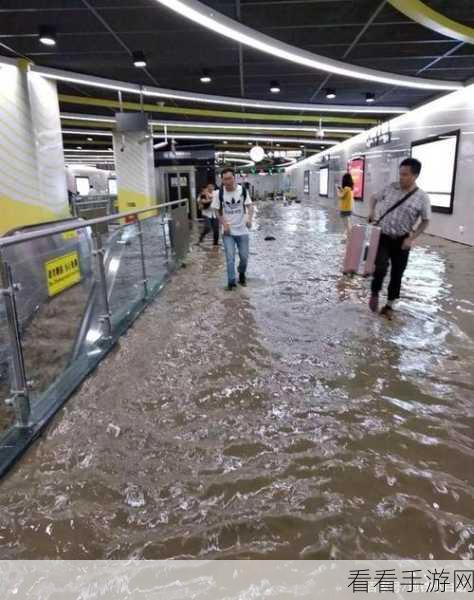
(356, 169)
(438, 169)
(83, 186)
(323, 181)
(112, 184)
(306, 182)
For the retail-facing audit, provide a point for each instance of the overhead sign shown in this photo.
(379, 136)
(62, 273)
(131, 121)
(183, 181)
(207, 154)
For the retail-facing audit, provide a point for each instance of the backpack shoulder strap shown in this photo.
(221, 200)
(244, 198)
(396, 205)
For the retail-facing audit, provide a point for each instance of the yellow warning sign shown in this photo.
(62, 273)
(70, 235)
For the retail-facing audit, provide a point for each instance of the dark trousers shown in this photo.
(210, 225)
(390, 250)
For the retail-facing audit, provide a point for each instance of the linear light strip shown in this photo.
(269, 105)
(89, 132)
(204, 125)
(244, 162)
(223, 125)
(80, 117)
(131, 88)
(230, 138)
(230, 153)
(246, 138)
(204, 16)
(434, 106)
(88, 151)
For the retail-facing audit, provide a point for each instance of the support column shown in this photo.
(135, 169)
(32, 171)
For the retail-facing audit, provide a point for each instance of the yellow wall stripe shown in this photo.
(17, 214)
(424, 15)
(200, 112)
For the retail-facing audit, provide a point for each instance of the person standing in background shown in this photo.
(211, 220)
(346, 201)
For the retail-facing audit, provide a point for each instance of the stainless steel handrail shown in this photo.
(18, 238)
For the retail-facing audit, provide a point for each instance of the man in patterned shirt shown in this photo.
(400, 228)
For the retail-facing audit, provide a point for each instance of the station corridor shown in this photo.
(282, 420)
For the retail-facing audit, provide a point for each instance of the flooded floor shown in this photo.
(278, 421)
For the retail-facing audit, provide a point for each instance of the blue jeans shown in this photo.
(242, 243)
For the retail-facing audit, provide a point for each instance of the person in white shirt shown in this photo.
(211, 220)
(234, 206)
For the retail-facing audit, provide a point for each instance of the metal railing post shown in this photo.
(142, 258)
(19, 385)
(98, 253)
(164, 223)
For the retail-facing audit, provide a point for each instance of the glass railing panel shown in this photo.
(179, 231)
(156, 250)
(7, 415)
(75, 293)
(55, 278)
(124, 270)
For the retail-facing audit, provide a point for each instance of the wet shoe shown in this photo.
(387, 312)
(374, 303)
(231, 285)
(242, 280)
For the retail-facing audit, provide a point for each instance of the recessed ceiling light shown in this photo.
(369, 97)
(274, 87)
(249, 143)
(301, 146)
(278, 145)
(89, 139)
(47, 35)
(330, 94)
(139, 59)
(78, 147)
(225, 142)
(205, 77)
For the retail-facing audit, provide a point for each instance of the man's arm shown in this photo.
(425, 215)
(372, 204)
(206, 201)
(422, 227)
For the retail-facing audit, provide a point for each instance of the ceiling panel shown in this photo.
(178, 50)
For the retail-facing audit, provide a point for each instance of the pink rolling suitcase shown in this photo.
(361, 249)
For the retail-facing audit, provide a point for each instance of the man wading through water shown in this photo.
(234, 206)
(400, 228)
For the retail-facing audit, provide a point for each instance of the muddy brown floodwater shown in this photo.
(277, 421)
